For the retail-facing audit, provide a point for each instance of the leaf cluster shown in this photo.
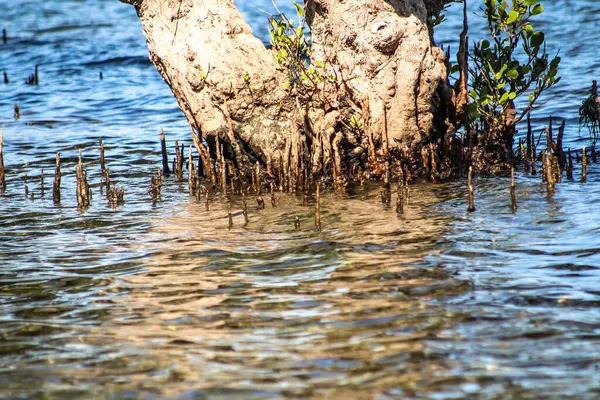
(292, 49)
(436, 18)
(513, 63)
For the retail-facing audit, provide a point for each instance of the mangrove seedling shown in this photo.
(293, 52)
(513, 64)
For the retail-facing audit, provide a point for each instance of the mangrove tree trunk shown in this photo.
(375, 93)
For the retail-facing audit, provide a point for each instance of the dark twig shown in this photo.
(513, 194)
(583, 165)
(318, 208)
(2, 171)
(471, 207)
(165, 157)
(102, 166)
(57, 179)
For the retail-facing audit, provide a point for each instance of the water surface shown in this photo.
(163, 300)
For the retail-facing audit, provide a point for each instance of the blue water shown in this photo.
(162, 300)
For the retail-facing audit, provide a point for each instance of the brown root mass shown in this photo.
(380, 69)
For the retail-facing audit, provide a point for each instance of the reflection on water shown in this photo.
(291, 311)
(164, 300)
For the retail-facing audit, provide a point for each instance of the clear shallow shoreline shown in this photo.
(164, 301)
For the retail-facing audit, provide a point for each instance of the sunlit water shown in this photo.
(164, 300)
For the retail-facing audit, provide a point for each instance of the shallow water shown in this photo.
(164, 301)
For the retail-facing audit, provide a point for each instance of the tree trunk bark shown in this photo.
(385, 97)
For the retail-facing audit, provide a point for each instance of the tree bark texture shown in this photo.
(385, 71)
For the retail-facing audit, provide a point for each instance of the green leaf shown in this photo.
(299, 9)
(537, 39)
(513, 74)
(473, 111)
(530, 3)
(499, 74)
(512, 17)
(538, 9)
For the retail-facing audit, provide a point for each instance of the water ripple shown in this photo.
(143, 299)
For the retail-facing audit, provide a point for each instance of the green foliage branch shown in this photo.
(293, 52)
(436, 18)
(513, 63)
